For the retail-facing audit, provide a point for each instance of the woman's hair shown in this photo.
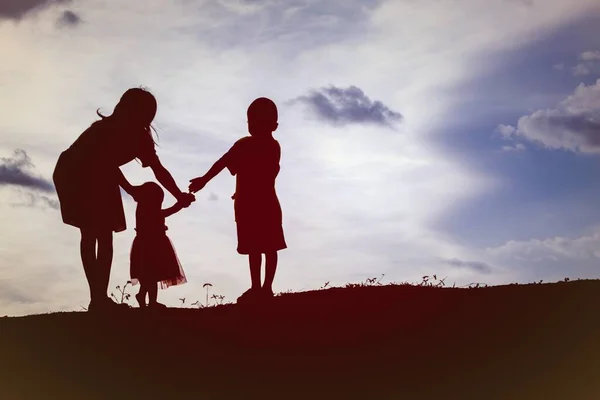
(137, 104)
(152, 192)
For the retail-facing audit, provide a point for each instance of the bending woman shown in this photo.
(88, 179)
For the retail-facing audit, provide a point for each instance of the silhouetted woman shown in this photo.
(88, 180)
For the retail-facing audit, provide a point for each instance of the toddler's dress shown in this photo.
(153, 258)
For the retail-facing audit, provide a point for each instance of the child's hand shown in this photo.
(197, 184)
(185, 199)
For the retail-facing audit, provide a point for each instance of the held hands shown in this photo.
(197, 184)
(185, 199)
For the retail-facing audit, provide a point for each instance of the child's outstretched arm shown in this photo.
(167, 212)
(198, 183)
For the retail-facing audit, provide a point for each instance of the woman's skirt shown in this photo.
(89, 195)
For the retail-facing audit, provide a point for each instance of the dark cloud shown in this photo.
(16, 171)
(213, 197)
(18, 9)
(343, 106)
(69, 19)
(11, 293)
(38, 201)
(474, 265)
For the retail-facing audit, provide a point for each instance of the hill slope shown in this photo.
(504, 342)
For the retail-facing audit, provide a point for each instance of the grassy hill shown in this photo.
(538, 341)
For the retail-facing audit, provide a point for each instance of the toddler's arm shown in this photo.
(167, 212)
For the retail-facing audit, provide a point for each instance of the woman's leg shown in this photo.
(88, 259)
(104, 261)
(255, 261)
(270, 269)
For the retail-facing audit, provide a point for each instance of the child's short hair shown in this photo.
(151, 191)
(263, 109)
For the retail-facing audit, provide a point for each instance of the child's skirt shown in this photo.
(153, 259)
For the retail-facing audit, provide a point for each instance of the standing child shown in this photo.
(153, 259)
(255, 160)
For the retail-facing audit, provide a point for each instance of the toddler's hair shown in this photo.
(152, 192)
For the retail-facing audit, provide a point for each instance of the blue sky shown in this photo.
(418, 138)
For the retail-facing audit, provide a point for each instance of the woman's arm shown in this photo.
(124, 183)
(165, 179)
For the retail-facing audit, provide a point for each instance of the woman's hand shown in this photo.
(185, 199)
(197, 184)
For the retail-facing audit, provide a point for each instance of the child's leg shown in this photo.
(141, 296)
(255, 261)
(270, 268)
(152, 293)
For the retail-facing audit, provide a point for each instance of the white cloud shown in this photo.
(574, 125)
(551, 249)
(590, 55)
(506, 131)
(516, 148)
(590, 64)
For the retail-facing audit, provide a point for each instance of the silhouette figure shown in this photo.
(154, 262)
(87, 179)
(254, 160)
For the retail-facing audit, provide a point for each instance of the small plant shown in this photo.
(124, 295)
(218, 299)
(432, 281)
(207, 285)
(182, 299)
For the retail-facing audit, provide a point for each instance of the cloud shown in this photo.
(34, 200)
(558, 67)
(590, 64)
(14, 171)
(516, 148)
(506, 131)
(213, 197)
(18, 9)
(474, 265)
(69, 18)
(590, 55)
(343, 106)
(13, 294)
(574, 125)
(550, 249)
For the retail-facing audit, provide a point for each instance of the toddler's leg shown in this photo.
(152, 296)
(152, 293)
(255, 261)
(141, 296)
(270, 269)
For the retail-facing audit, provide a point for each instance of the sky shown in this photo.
(457, 138)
